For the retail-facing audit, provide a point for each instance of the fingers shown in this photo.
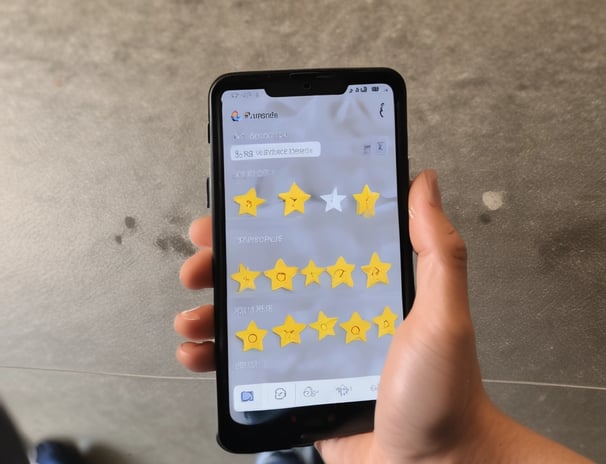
(197, 357)
(200, 232)
(197, 272)
(442, 261)
(197, 323)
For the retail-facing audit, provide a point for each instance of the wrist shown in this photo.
(494, 437)
(472, 439)
(486, 435)
(460, 439)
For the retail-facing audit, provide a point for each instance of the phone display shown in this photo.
(312, 258)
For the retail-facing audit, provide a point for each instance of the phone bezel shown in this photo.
(304, 425)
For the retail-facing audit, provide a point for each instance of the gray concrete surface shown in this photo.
(103, 157)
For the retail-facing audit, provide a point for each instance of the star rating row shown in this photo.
(282, 275)
(295, 198)
(355, 329)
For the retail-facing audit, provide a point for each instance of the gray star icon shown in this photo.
(333, 200)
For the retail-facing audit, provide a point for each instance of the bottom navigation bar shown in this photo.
(280, 395)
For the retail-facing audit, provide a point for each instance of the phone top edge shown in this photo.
(306, 71)
(324, 76)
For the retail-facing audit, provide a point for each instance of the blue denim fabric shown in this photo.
(51, 452)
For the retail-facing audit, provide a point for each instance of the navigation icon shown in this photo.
(343, 390)
(309, 392)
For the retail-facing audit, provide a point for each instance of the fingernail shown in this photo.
(411, 213)
(184, 348)
(190, 314)
(435, 198)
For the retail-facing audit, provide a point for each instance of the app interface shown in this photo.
(314, 288)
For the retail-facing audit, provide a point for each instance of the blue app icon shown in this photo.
(247, 396)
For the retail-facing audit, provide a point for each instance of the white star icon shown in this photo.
(333, 200)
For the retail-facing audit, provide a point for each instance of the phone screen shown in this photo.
(312, 243)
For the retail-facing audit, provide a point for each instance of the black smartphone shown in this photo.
(312, 258)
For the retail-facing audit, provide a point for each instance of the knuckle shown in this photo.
(454, 248)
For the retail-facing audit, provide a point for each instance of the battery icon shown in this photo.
(375, 88)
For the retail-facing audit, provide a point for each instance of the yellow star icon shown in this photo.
(312, 273)
(294, 199)
(341, 272)
(252, 337)
(366, 200)
(324, 325)
(386, 322)
(249, 202)
(355, 328)
(245, 277)
(376, 271)
(289, 332)
(281, 275)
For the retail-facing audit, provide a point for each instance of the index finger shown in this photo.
(200, 232)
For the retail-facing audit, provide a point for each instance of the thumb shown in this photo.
(431, 367)
(442, 255)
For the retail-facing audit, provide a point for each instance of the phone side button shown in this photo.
(208, 192)
(208, 131)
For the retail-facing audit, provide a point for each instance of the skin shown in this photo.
(431, 404)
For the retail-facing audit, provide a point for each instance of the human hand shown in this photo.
(431, 391)
(431, 381)
(431, 405)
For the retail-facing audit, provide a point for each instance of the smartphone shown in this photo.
(312, 258)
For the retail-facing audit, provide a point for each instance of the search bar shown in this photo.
(275, 150)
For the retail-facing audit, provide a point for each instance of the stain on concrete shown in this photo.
(175, 243)
(485, 218)
(131, 225)
(130, 222)
(178, 220)
(162, 243)
(182, 246)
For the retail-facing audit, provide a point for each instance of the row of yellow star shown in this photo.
(290, 331)
(281, 275)
(295, 198)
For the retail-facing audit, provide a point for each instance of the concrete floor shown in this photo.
(103, 157)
